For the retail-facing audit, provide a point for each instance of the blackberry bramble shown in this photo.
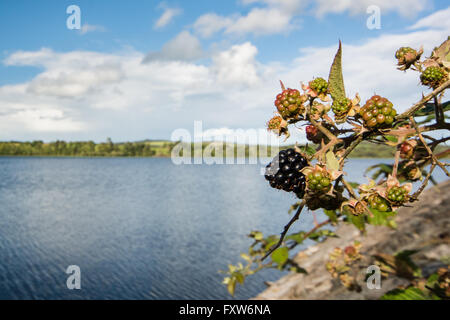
(283, 172)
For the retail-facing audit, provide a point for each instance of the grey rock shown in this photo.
(425, 226)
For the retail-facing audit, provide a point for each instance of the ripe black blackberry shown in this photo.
(284, 172)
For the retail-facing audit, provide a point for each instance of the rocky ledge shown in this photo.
(424, 226)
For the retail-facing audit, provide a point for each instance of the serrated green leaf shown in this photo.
(271, 241)
(231, 286)
(239, 277)
(331, 214)
(308, 149)
(442, 54)
(332, 161)
(432, 280)
(381, 218)
(429, 109)
(280, 256)
(410, 293)
(358, 221)
(336, 79)
(297, 237)
(391, 138)
(316, 236)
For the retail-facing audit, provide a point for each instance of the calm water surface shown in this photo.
(139, 228)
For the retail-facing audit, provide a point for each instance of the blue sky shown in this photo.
(142, 69)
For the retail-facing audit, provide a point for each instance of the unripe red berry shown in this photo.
(378, 112)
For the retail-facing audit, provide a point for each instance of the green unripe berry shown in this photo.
(432, 76)
(382, 207)
(319, 85)
(341, 106)
(325, 182)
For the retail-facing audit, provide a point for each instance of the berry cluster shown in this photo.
(318, 181)
(432, 76)
(378, 112)
(326, 201)
(274, 123)
(378, 203)
(403, 51)
(284, 172)
(397, 195)
(341, 106)
(289, 103)
(319, 86)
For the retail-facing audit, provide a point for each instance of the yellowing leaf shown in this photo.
(280, 255)
(332, 162)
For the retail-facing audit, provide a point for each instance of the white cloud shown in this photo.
(237, 66)
(97, 94)
(280, 16)
(85, 28)
(210, 23)
(286, 5)
(167, 16)
(262, 22)
(408, 8)
(184, 47)
(276, 17)
(437, 20)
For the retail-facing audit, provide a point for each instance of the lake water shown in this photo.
(139, 228)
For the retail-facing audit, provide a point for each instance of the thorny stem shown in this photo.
(310, 232)
(433, 157)
(349, 188)
(397, 159)
(411, 111)
(415, 196)
(438, 111)
(350, 148)
(285, 230)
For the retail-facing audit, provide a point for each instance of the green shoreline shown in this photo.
(156, 149)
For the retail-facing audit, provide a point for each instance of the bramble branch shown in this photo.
(285, 230)
(411, 111)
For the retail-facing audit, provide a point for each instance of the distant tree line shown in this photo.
(84, 149)
(153, 148)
